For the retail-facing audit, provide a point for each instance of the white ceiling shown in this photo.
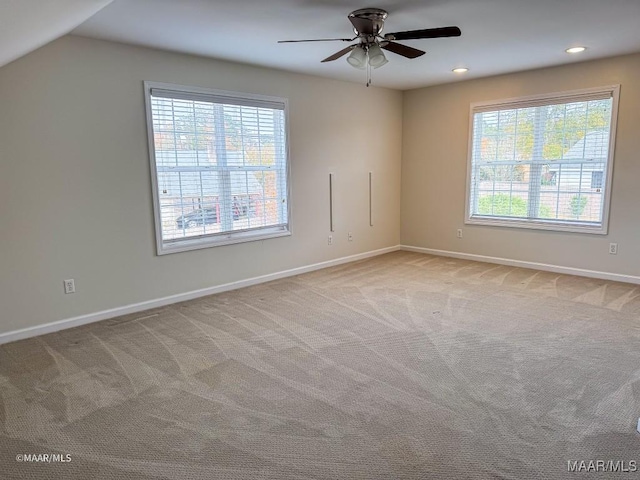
(498, 36)
(29, 24)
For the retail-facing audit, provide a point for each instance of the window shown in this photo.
(219, 166)
(596, 179)
(543, 162)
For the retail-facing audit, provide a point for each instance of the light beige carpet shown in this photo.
(405, 366)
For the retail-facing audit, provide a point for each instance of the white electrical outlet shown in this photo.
(330, 240)
(350, 236)
(613, 249)
(70, 286)
(459, 234)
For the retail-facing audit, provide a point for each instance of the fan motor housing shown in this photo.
(375, 20)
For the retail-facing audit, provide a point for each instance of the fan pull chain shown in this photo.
(368, 70)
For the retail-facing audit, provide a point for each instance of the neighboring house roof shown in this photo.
(200, 184)
(593, 146)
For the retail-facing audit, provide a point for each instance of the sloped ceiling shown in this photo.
(499, 36)
(29, 24)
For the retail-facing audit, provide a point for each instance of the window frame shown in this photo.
(541, 100)
(229, 238)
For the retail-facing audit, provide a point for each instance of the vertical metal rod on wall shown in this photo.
(370, 200)
(331, 202)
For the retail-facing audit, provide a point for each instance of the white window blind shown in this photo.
(543, 162)
(219, 166)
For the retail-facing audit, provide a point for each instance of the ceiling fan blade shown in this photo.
(339, 54)
(426, 33)
(319, 40)
(403, 50)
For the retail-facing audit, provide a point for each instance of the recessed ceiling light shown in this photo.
(460, 70)
(575, 49)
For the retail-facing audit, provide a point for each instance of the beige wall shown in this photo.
(75, 193)
(434, 169)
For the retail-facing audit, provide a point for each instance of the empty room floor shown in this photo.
(403, 366)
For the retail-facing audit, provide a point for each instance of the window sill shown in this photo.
(185, 245)
(573, 227)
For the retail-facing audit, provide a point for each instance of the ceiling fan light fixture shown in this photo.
(575, 49)
(376, 57)
(358, 58)
(367, 53)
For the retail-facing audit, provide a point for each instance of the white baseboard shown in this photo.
(616, 277)
(181, 297)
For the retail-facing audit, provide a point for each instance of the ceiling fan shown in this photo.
(367, 25)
